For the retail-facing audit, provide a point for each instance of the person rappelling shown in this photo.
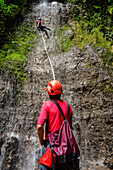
(40, 27)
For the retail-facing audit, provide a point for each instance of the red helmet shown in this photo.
(54, 87)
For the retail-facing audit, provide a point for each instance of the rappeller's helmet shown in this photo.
(39, 18)
(54, 87)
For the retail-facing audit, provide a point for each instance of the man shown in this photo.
(51, 115)
(38, 23)
(42, 28)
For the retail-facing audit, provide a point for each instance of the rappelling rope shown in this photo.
(45, 45)
(48, 56)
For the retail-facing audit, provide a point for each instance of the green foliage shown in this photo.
(95, 37)
(13, 54)
(10, 10)
(108, 87)
(95, 13)
(66, 45)
(94, 25)
(10, 13)
(80, 36)
(64, 41)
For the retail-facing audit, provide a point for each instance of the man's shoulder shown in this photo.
(67, 103)
(50, 103)
(47, 103)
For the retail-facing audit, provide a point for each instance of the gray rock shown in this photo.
(83, 78)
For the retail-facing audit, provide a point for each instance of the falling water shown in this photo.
(44, 3)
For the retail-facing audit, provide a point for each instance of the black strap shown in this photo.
(52, 145)
(68, 109)
(52, 158)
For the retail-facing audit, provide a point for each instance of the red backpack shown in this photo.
(64, 144)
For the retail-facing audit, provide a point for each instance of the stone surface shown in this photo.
(83, 78)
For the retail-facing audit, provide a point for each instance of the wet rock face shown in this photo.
(11, 156)
(93, 107)
(83, 78)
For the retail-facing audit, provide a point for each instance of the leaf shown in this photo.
(97, 7)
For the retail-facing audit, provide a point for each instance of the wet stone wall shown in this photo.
(83, 79)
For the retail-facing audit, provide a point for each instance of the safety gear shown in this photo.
(48, 159)
(39, 18)
(54, 87)
(64, 144)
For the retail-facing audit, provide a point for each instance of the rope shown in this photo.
(48, 57)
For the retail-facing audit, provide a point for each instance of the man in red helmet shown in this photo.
(51, 116)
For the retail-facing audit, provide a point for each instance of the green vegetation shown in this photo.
(97, 13)
(92, 24)
(11, 12)
(108, 87)
(64, 41)
(80, 36)
(13, 54)
(16, 39)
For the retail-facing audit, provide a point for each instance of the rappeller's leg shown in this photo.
(48, 28)
(43, 28)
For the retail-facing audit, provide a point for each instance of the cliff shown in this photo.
(85, 86)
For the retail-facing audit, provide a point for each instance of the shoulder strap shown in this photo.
(68, 109)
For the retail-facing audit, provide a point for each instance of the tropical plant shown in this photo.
(95, 13)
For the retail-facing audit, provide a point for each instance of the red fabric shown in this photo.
(38, 22)
(46, 159)
(50, 112)
(65, 142)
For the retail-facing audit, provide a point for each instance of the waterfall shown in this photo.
(43, 4)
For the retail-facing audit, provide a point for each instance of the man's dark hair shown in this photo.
(55, 96)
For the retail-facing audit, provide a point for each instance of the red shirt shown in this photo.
(38, 23)
(51, 114)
